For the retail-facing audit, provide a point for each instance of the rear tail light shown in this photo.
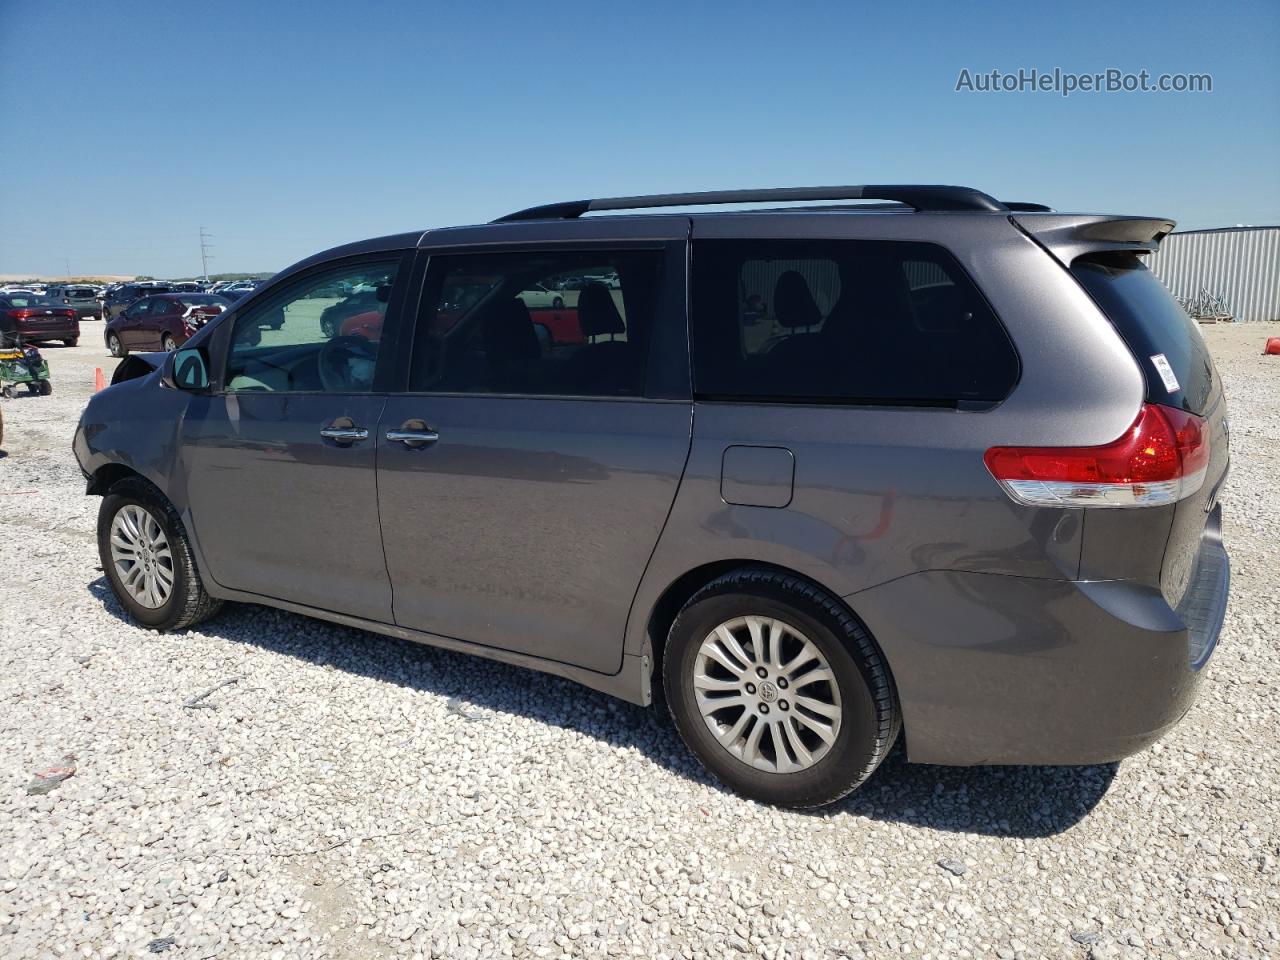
(1160, 459)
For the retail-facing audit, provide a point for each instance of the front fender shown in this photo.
(133, 424)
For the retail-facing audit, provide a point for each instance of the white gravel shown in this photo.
(351, 796)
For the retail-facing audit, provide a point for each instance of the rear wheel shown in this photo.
(168, 344)
(114, 346)
(46, 387)
(778, 689)
(147, 557)
(71, 341)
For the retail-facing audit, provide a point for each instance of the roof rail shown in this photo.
(922, 197)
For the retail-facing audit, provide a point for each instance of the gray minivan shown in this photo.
(938, 464)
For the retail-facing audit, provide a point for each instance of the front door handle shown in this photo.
(344, 432)
(413, 434)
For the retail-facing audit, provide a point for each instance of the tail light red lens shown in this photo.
(1160, 459)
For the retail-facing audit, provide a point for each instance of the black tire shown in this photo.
(7, 392)
(115, 347)
(558, 303)
(168, 344)
(189, 603)
(46, 387)
(33, 387)
(71, 342)
(870, 718)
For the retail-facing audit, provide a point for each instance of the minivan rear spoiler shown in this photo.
(1069, 235)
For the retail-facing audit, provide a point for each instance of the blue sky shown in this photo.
(287, 128)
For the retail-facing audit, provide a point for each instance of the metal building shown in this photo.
(1234, 267)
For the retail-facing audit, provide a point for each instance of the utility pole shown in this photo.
(67, 261)
(205, 256)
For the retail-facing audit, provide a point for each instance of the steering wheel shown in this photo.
(346, 364)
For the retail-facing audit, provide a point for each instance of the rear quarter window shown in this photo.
(1153, 325)
(843, 321)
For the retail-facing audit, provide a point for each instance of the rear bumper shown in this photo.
(63, 331)
(999, 669)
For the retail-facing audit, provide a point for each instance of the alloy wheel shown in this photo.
(767, 694)
(141, 556)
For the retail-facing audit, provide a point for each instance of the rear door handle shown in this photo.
(413, 434)
(413, 438)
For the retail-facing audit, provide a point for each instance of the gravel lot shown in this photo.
(346, 795)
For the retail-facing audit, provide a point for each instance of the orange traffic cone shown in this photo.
(1272, 346)
(98, 382)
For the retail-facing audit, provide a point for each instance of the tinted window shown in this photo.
(1153, 324)
(543, 324)
(843, 320)
(286, 343)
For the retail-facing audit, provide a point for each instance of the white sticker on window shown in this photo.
(1166, 373)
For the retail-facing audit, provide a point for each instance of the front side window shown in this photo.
(843, 321)
(320, 334)
(541, 324)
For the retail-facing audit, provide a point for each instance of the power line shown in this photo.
(205, 256)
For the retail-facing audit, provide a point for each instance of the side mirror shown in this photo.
(189, 370)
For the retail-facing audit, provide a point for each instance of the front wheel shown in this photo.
(46, 388)
(168, 344)
(71, 342)
(147, 557)
(114, 347)
(778, 689)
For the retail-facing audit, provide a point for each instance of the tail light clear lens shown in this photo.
(1160, 459)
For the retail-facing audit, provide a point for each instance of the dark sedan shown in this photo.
(115, 302)
(39, 319)
(161, 322)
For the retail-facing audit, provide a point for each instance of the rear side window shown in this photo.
(1165, 341)
(547, 323)
(843, 321)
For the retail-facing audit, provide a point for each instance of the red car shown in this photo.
(39, 319)
(161, 322)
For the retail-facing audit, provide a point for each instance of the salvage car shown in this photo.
(163, 322)
(942, 466)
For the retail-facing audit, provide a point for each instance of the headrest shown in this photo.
(509, 333)
(597, 313)
(793, 303)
